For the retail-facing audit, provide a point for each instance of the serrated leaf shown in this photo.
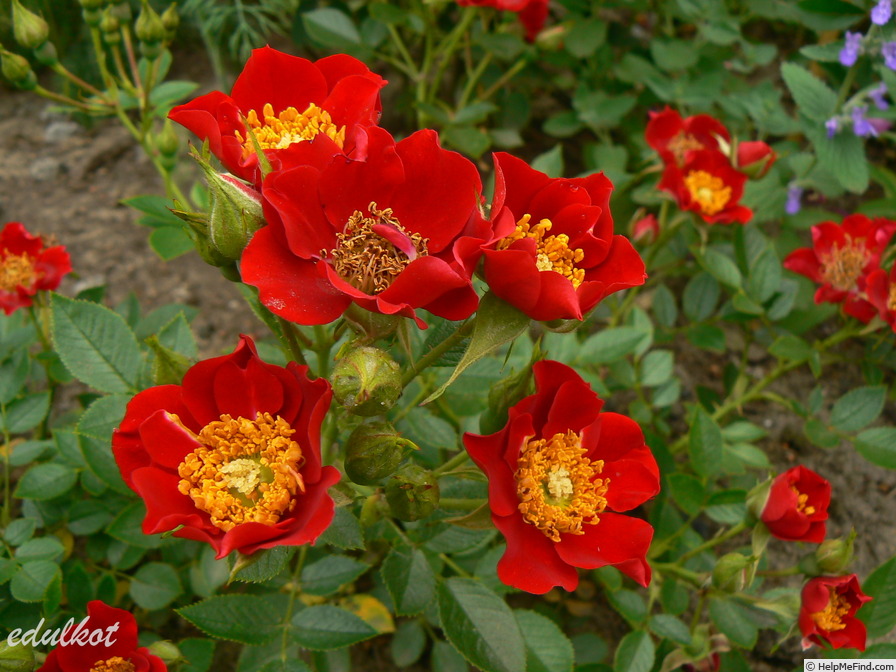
(330, 573)
(249, 619)
(127, 527)
(155, 585)
(34, 579)
(344, 531)
(879, 615)
(858, 408)
(735, 622)
(547, 648)
(844, 157)
(269, 563)
(705, 443)
(325, 627)
(635, 653)
(814, 98)
(878, 445)
(103, 416)
(670, 627)
(27, 413)
(46, 481)
(409, 579)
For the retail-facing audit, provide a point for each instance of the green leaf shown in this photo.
(95, 344)
(46, 481)
(19, 531)
(331, 27)
(657, 367)
(700, 297)
(844, 157)
(13, 374)
(635, 653)
(325, 627)
(585, 36)
(550, 162)
(688, 492)
(330, 573)
(199, 653)
(155, 585)
(664, 308)
(720, 267)
(344, 531)
(249, 619)
(285, 666)
(707, 337)
(671, 628)
(127, 527)
(34, 580)
(98, 456)
(878, 446)
(497, 323)
(547, 648)
(481, 626)
(27, 413)
(409, 579)
(879, 615)
(445, 658)
(169, 242)
(791, 347)
(813, 97)
(858, 408)
(609, 345)
(705, 443)
(103, 416)
(269, 563)
(42, 548)
(166, 94)
(765, 276)
(408, 643)
(727, 506)
(735, 622)
(629, 604)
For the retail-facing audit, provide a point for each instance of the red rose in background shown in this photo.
(559, 474)
(707, 184)
(117, 651)
(880, 288)
(298, 111)
(380, 233)
(554, 255)
(27, 266)
(797, 506)
(827, 613)
(755, 158)
(232, 455)
(672, 137)
(532, 13)
(840, 260)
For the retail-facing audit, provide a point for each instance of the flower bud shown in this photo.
(171, 20)
(834, 555)
(168, 367)
(373, 451)
(501, 397)
(755, 158)
(367, 381)
(17, 70)
(30, 30)
(372, 325)
(412, 493)
(92, 17)
(647, 229)
(149, 28)
(730, 572)
(46, 54)
(110, 26)
(18, 658)
(165, 650)
(92, 4)
(757, 499)
(168, 145)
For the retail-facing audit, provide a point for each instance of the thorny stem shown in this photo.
(437, 352)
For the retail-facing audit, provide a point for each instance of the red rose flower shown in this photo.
(380, 233)
(880, 288)
(232, 455)
(27, 266)
(707, 184)
(828, 612)
(532, 13)
(287, 101)
(647, 229)
(554, 255)
(841, 258)
(755, 158)
(797, 506)
(672, 137)
(559, 474)
(106, 642)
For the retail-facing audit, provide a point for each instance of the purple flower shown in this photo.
(794, 194)
(861, 126)
(832, 125)
(849, 54)
(882, 12)
(888, 49)
(877, 95)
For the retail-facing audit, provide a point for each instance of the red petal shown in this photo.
(270, 76)
(530, 562)
(166, 441)
(617, 540)
(166, 508)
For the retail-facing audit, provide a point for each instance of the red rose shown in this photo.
(672, 137)
(232, 455)
(797, 506)
(380, 233)
(27, 266)
(532, 13)
(707, 184)
(288, 101)
(755, 158)
(107, 642)
(559, 473)
(647, 229)
(828, 612)
(841, 258)
(880, 288)
(554, 255)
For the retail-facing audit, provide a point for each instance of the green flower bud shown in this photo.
(17, 70)
(412, 493)
(367, 381)
(92, 17)
(149, 28)
(110, 26)
(168, 367)
(167, 141)
(92, 4)
(757, 499)
(16, 658)
(834, 555)
(120, 10)
(373, 451)
(371, 325)
(30, 30)
(46, 54)
(165, 650)
(171, 20)
(730, 572)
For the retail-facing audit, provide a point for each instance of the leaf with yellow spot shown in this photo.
(371, 611)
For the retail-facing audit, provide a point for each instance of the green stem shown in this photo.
(446, 49)
(439, 350)
(790, 571)
(503, 79)
(295, 585)
(473, 80)
(59, 98)
(454, 462)
(97, 41)
(288, 330)
(715, 541)
(60, 69)
(453, 565)
(323, 343)
(458, 504)
(679, 572)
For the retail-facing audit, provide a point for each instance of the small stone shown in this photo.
(60, 130)
(46, 168)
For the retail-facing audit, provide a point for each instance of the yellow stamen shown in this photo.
(682, 143)
(114, 664)
(891, 300)
(830, 619)
(842, 266)
(245, 470)
(367, 260)
(558, 487)
(288, 127)
(708, 190)
(552, 252)
(17, 270)
(801, 500)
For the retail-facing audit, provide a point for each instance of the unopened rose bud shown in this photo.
(92, 4)
(646, 229)
(168, 367)
(373, 451)
(834, 555)
(755, 159)
(757, 499)
(171, 20)
(730, 572)
(17, 658)
(150, 30)
(46, 54)
(412, 493)
(110, 26)
(30, 30)
(17, 70)
(367, 381)
(501, 397)
(168, 145)
(165, 650)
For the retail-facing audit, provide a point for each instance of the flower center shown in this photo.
(288, 127)
(830, 618)
(681, 143)
(708, 190)
(801, 501)
(114, 664)
(558, 487)
(842, 266)
(372, 251)
(552, 253)
(17, 270)
(245, 470)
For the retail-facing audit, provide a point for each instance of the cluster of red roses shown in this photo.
(703, 171)
(845, 259)
(796, 510)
